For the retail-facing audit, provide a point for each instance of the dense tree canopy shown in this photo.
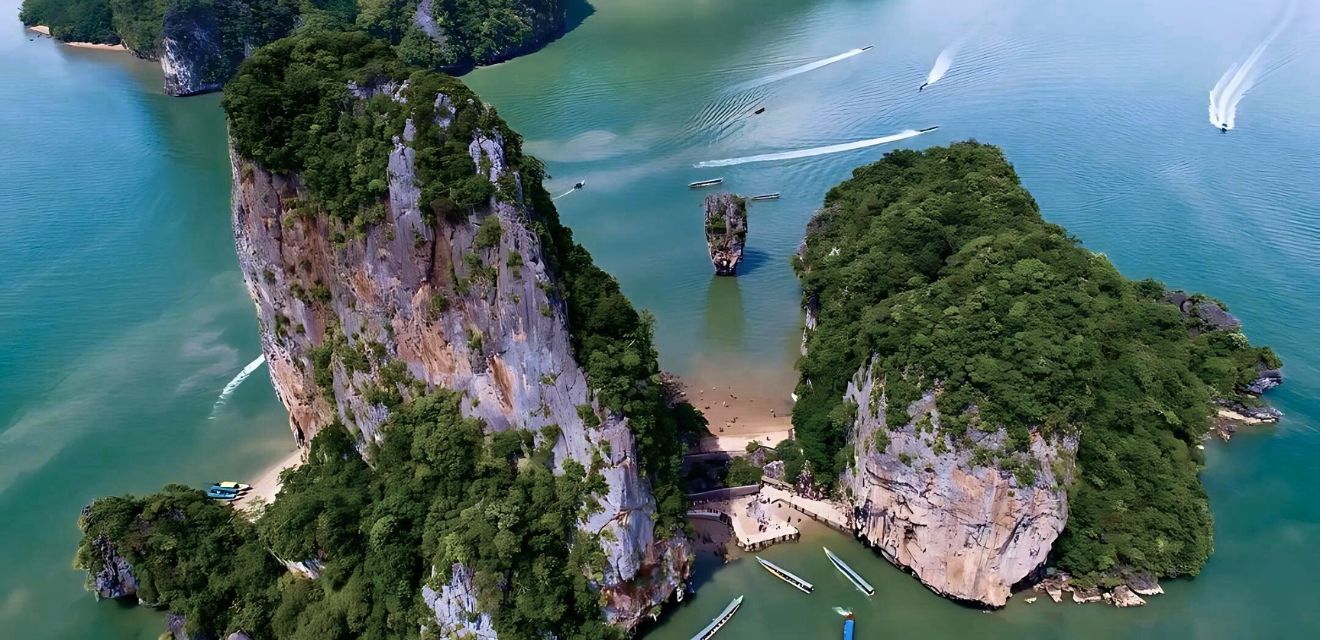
(939, 264)
(450, 35)
(443, 492)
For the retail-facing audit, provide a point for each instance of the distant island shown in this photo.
(200, 43)
(995, 401)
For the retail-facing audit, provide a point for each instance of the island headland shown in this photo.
(200, 43)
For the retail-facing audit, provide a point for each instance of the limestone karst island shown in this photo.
(591, 319)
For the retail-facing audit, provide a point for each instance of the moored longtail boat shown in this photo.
(720, 620)
(847, 571)
(785, 575)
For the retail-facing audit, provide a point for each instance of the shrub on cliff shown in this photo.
(939, 264)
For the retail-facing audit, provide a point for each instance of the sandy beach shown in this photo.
(45, 31)
(267, 484)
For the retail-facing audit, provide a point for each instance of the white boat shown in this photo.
(705, 183)
(720, 620)
(786, 575)
(766, 196)
(852, 576)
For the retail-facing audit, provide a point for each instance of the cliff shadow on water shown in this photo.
(724, 326)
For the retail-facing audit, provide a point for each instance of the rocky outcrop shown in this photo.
(355, 320)
(455, 607)
(204, 42)
(1126, 594)
(726, 231)
(966, 529)
(462, 41)
(114, 578)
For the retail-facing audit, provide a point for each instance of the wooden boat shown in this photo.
(705, 183)
(785, 575)
(852, 576)
(720, 620)
(766, 196)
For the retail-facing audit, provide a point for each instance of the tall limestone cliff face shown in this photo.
(202, 43)
(968, 531)
(353, 321)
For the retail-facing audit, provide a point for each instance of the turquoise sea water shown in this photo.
(122, 312)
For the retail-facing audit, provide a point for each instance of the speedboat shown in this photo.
(928, 129)
(759, 111)
(766, 196)
(236, 486)
(580, 184)
(867, 47)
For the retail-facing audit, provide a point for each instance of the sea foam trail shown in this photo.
(1240, 78)
(942, 64)
(816, 151)
(789, 73)
(238, 379)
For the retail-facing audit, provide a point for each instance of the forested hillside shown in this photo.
(938, 264)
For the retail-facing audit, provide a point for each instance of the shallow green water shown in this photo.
(122, 312)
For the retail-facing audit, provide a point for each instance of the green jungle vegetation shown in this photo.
(459, 34)
(439, 490)
(72, 20)
(442, 492)
(938, 264)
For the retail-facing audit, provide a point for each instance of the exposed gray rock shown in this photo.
(1267, 379)
(726, 231)
(1144, 584)
(203, 43)
(968, 532)
(1209, 314)
(115, 578)
(455, 607)
(457, 315)
(1122, 596)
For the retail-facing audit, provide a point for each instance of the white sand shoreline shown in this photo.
(267, 484)
(45, 31)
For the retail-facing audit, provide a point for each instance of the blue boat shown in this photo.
(848, 623)
(218, 492)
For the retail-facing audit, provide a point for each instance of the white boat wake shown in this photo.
(1240, 78)
(577, 187)
(238, 380)
(789, 73)
(942, 64)
(817, 151)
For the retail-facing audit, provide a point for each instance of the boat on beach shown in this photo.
(217, 492)
(766, 196)
(720, 620)
(786, 575)
(705, 183)
(847, 571)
